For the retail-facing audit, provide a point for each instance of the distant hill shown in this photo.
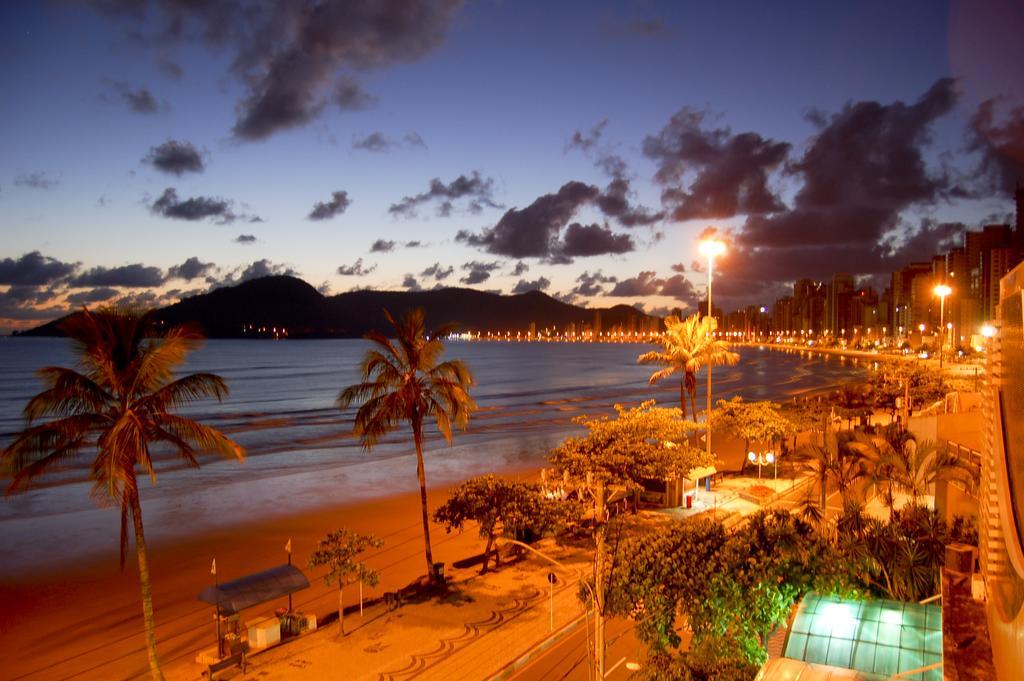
(286, 302)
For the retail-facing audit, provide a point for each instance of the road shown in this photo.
(567, 659)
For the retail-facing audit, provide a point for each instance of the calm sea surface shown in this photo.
(300, 451)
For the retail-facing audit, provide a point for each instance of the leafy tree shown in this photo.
(497, 506)
(337, 552)
(405, 381)
(732, 587)
(121, 402)
(811, 414)
(758, 421)
(893, 380)
(688, 346)
(640, 443)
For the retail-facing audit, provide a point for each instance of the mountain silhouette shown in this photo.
(283, 305)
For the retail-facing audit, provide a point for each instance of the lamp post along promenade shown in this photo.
(710, 249)
(942, 291)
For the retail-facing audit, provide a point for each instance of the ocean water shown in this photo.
(300, 452)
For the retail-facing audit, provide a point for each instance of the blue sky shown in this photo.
(770, 100)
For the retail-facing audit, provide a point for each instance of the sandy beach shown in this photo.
(83, 621)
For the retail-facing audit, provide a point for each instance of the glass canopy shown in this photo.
(878, 638)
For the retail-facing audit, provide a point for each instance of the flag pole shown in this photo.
(288, 549)
(216, 593)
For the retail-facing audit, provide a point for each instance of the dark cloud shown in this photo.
(586, 141)
(478, 271)
(589, 240)
(349, 95)
(414, 244)
(34, 269)
(477, 190)
(336, 206)
(196, 208)
(96, 295)
(410, 283)
(382, 246)
(138, 299)
(859, 173)
(524, 286)
(255, 219)
(437, 272)
(324, 288)
(379, 142)
(138, 99)
(1001, 147)
(255, 270)
(245, 239)
(648, 283)
(588, 284)
(679, 267)
(36, 180)
(24, 303)
(614, 202)
(191, 269)
(294, 58)
(521, 268)
(731, 170)
(135, 275)
(356, 269)
(176, 158)
(533, 231)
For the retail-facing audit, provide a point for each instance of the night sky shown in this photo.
(151, 150)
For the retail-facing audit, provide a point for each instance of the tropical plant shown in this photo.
(120, 402)
(688, 346)
(337, 552)
(498, 506)
(760, 421)
(405, 381)
(640, 443)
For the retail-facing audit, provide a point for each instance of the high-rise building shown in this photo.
(909, 309)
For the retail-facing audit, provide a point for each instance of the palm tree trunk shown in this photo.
(147, 595)
(682, 394)
(417, 436)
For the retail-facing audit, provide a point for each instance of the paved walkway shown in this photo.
(483, 624)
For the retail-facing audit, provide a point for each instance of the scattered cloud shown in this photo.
(591, 284)
(378, 142)
(382, 246)
(477, 190)
(411, 284)
(138, 99)
(245, 239)
(524, 286)
(34, 269)
(196, 208)
(478, 272)
(520, 269)
(349, 95)
(294, 58)
(437, 272)
(36, 180)
(588, 240)
(95, 295)
(356, 269)
(731, 170)
(136, 275)
(191, 269)
(1000, 145)
(648, 283)
(336, 206)
(176, 158)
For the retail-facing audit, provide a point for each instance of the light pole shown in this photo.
(710, 248)
(942, 291)
(764, 459)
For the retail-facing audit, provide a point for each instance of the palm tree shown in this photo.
(688, 346)
(120, 403)
(905, 465)
(404, 381)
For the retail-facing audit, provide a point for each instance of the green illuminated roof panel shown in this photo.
(878, 638)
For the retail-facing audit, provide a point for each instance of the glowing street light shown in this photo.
(942, 291)
(710, 249)
(988, 331)
(761, 460)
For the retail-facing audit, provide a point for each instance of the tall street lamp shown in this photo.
(942, 291)
(710, 249)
